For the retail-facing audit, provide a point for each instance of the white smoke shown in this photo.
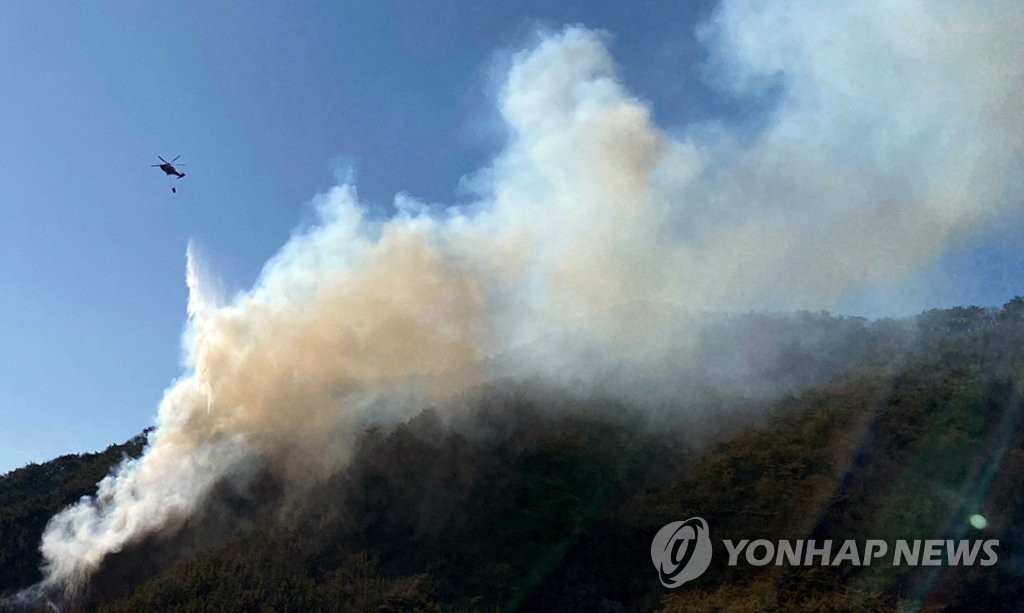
(897, 129)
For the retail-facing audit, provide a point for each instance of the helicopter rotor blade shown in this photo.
(175, 159)
(163, 160)
(155, 165)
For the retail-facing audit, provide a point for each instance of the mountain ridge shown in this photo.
(540, 501)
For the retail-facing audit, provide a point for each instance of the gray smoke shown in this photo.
(598, 239)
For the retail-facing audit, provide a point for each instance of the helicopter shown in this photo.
(169, 169)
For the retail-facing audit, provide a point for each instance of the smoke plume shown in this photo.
(891, 130)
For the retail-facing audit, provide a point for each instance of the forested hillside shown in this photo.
(538, 500)
(30, 496)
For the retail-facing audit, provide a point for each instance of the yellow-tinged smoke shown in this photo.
(897, 132)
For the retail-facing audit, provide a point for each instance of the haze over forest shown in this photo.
(496, 403)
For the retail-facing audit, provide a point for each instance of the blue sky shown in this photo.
(264, 102)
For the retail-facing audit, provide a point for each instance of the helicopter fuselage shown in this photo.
(171, 170)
